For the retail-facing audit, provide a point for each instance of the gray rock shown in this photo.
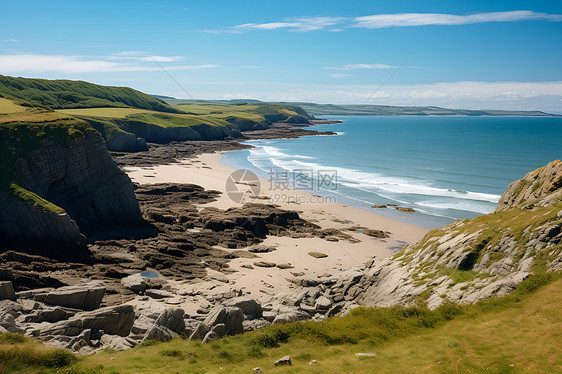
(160, 333)
(211, 336)
(200, 331)
(85, 296)
(323, 303)
(158, 294)
(116, 320)
(283, 361)
(172, 318)
(49, 315)
(247, 304)
(219, 329)
(116, 342)
(7, 291)
(135, 283)
(232, 317)
(290, 317)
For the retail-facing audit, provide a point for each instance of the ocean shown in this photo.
(445, 168)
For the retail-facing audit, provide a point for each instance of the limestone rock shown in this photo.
(85, 296)
(283, 361)
(7, 291)
(247, 304)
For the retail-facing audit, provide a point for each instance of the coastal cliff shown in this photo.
(59, 180)
(467, 261)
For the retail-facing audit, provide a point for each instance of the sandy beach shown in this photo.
(259, 282)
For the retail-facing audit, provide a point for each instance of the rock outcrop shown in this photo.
(464, 262)
(71, 171)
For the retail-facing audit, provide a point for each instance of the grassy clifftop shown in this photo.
(59, 94)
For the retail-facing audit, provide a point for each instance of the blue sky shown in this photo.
(470, 54)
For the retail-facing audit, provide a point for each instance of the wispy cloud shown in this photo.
(376, 21)
(11, 40)
(360, 66)
(425, 19)
(340, 75)
(298, 24)
(68, 64)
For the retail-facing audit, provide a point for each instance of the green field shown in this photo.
(518, 333)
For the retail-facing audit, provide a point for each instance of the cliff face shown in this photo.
(469, 260)
(82, 178)
(70, 184)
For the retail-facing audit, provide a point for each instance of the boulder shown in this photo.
(247, 304)
(49, 315)
(85, 296)
(323, 303)
(7, 291)
(264, 264)
(211, 336)
(159, 294)
(219, 329)
(9, 311)
(290, 317)
(116, 320)
(231, 317)
(135, 283)
(172, 318)
(283, 361)
(200, 332)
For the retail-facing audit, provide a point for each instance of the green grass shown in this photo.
(60, 94)
(19, 354)
(38, 201)
(517, 333)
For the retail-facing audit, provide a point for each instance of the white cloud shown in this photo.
(360, 66)
(340, 75)
(424, 19)
(36, 63)
(298, 24)
(11, 40)
(375, 21)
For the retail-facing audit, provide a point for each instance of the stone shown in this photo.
(116, 320)
(50, 315)
(200, 332)
(135, 283)
(317, 254)
(85, 296)
(405, 210)
(219, 329)
(211, 336)
(158, 294)
(378, 206)
(247, 304)
(313, 362)
(172, 318)
(7, 291)
(323, 303)
(231, 317)
(290, 317)
(115, 342)
(285, 266)
(365, 354)
(283, 361)
(264, 264)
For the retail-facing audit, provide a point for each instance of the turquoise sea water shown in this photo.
(446, 168)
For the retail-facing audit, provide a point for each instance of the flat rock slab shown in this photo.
(317, 254)
(159, 294)
(264, 264)
(85, 296)
(285, 266)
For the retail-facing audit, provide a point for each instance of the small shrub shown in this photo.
(271, 338)
(12, 338)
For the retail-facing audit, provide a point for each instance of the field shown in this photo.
(516, 334)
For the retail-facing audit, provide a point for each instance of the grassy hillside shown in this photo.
(58, 94)
(386, 110)
(515, 334)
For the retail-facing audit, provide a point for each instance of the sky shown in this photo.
(455, 54)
